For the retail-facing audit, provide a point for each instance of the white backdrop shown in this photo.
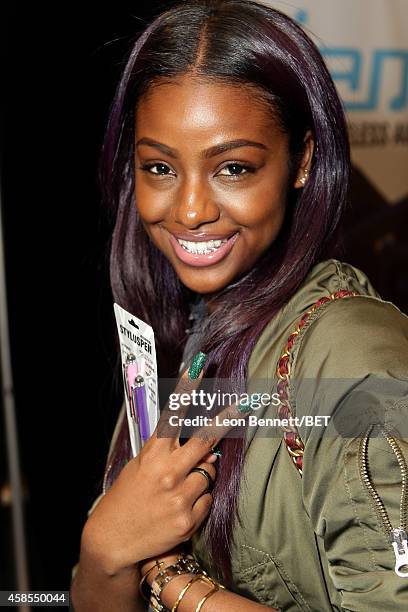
(365, 44)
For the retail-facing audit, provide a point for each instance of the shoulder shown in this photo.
(340, 334)
(353, 336)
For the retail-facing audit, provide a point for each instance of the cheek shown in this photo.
(260, 208)
(267, 227)
(151, 204)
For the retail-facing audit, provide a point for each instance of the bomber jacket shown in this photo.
(319, 542)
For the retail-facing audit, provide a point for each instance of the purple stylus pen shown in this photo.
(140, 404)
(130, 371)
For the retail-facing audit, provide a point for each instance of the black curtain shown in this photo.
(61, 64)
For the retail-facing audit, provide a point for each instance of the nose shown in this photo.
(195, 205)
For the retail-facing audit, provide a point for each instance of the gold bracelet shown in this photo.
(184, 565)
(184, 591)
(204, 577)
(208, 580)
(204, 599)
(157, 606)
(145, 575)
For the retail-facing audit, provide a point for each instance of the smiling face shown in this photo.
(212, 172)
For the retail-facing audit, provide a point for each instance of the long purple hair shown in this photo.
(237, 42)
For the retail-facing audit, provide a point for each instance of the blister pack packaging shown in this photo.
(139, 370)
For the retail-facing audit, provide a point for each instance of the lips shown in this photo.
(206, 254)
(203, 237)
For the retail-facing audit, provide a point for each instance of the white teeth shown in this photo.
(201, 247)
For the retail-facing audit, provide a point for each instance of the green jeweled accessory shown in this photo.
(246, 407)
(196, 365)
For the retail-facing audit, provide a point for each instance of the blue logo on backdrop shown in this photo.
(380, 59)
(378, 63)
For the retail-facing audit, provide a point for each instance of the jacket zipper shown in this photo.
(397, 536)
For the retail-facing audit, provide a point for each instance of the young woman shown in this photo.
(226, 164)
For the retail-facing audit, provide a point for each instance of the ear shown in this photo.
(305, 162)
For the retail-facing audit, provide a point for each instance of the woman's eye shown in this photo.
(158, 169)
(235, 170)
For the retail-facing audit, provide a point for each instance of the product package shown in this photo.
(139, 369)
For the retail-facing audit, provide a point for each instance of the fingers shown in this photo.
(192, 501)
(205, 438)
(231, 418)
(210, 458)
(198, 483)
(189, 381)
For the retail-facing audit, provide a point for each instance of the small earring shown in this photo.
(304, 178)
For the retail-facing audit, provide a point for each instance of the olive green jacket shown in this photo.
(317, 543)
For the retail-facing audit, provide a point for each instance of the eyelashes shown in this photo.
(239, 167)
(149, 168)
(234, 169)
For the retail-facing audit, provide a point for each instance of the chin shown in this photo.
(205, 288)
(203, 283)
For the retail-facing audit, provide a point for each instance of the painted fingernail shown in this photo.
(245, 407)
(197, 365)
(216, 451)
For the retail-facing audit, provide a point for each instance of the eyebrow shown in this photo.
(207, 153)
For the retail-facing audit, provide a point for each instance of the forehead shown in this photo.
(188, 106)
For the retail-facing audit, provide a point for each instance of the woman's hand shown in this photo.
(156, 502)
